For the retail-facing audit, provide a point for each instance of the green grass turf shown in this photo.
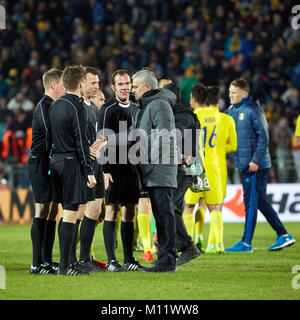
(258, 275)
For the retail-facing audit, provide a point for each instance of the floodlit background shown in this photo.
(211, 41)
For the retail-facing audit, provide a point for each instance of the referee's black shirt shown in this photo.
(68, 129)
(91, 120)
(40, 128)
(109, 117)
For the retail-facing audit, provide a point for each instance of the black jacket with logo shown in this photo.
(68, 129)
(114, 120)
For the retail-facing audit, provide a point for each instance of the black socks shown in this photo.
(87, 231)
(66, 237)
(37, 235)
(109, 228)
(127, 235)
(48, 242)
(73, 255)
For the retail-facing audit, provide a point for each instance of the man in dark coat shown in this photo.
(187, 124)
(155, 123)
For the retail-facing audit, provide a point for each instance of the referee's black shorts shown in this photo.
(125, 188)
(98, 191)
(38, 168)
(68, 179)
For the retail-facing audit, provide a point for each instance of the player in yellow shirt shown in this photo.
(297, 132)
(296, 147)
(209, 119)
(226, 143)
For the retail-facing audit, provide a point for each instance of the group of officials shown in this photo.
(64, 167)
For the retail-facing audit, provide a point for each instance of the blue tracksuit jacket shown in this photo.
(252, 134)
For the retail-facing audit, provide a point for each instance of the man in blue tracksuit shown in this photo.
(253, 161)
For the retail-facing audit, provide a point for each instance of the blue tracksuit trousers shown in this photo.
(255, 197)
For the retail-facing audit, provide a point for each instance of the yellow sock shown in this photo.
(136, 229)
(144, 228)
(211, 237)
(118, 221)
(91, 250)
(188, 219)
(217, 225)
(199, 222)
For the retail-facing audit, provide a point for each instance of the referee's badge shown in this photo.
(241, 117)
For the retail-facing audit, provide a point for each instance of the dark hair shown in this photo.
(120, 72)
(92, 70)
(199, 93)
(164, 77)
(50, 76)
(72, 76)
(213, 95)
(241, 83)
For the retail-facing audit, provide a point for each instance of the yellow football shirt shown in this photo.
(226, 143)
(209, 118)
(297, 132)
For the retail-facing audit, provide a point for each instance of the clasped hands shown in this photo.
(96, 146)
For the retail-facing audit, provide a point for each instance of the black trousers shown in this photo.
(163, 211)
(183, 240)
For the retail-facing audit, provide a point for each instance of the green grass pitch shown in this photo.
(260, 275)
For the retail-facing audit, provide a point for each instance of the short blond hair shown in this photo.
(50, 76)
(241, 83)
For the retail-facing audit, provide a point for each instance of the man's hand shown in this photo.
(91, 181)
(107, 179)
(253, 167)
(188, 161)
(94, 153)
(99, 143)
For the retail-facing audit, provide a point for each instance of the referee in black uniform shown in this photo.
(71, 165)
(89, 212)
(43, 225)
(123, 189)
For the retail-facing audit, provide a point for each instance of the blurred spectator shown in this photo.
(5, 117)
(209, 41)
(3, 86)
(282, 138)
(186, 85)
(291, 98)
(4, 112)
(20, 102)
(13, 82)
(97, 12)
(233, 44)
(296, 146)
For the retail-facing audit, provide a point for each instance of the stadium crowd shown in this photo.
(213, 42)
(167, 66)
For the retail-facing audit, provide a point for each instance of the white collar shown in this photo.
(124, 105)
